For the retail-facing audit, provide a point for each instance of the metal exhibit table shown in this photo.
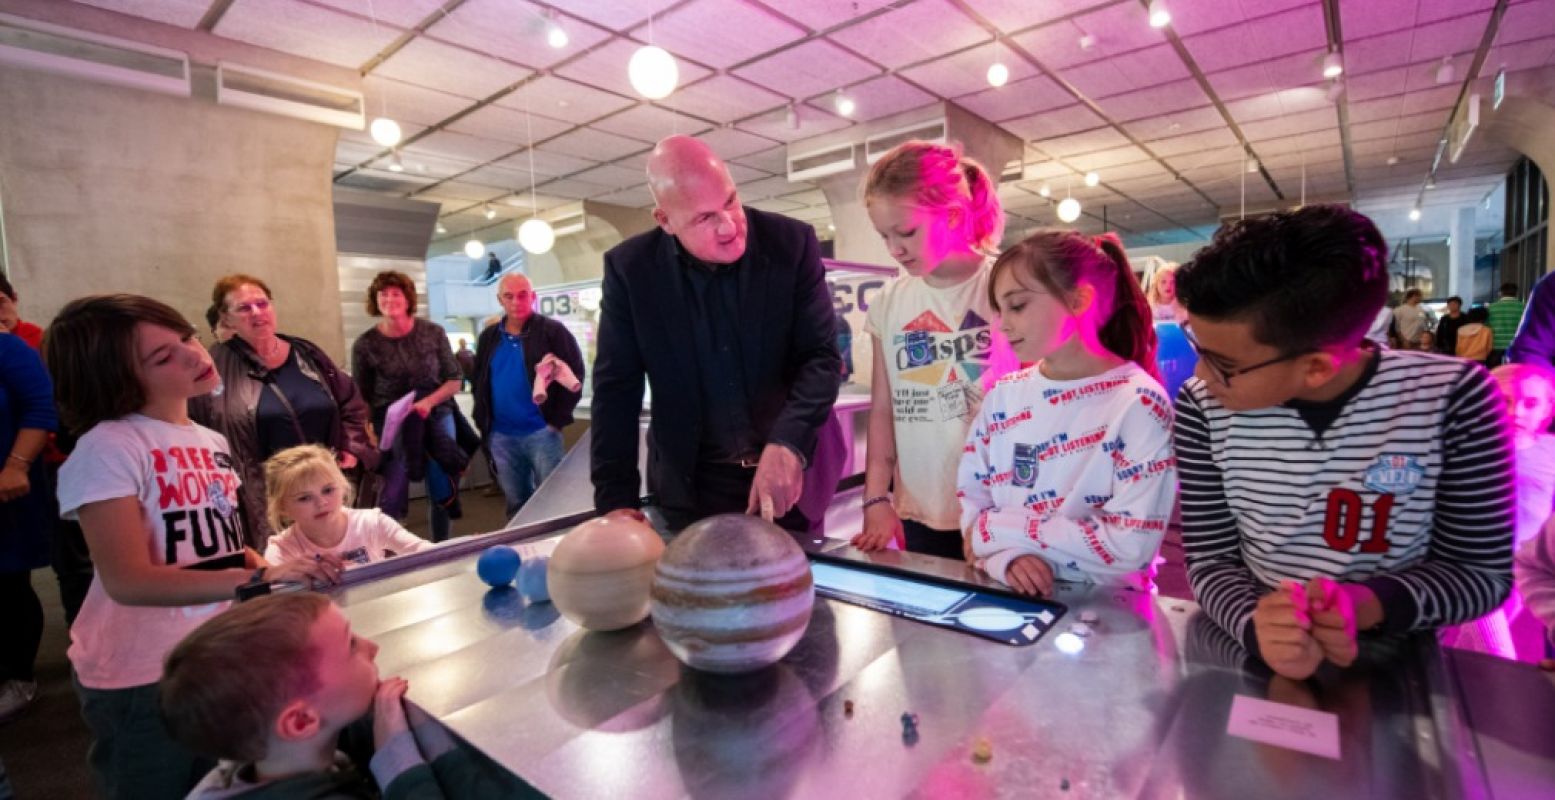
(1139, 711)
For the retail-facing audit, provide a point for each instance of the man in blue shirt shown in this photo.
(520, 418)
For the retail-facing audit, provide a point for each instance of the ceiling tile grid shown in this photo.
(812, 121)
(886, 95)
(605, 68)
(1262, 60)
(1054, 123)
(719, 33)
(183, 13)
(566, 100)
(594, 144)
(305, 30)
(918, 31)
(435, 65)
(1164, 99)
(723, 98)
(617, 15)
(966, 72)
(1299, 29)
(1116, 28)
(649, 123)
(1016, 99)
(507, 125)
(812, 68)
(404, 13)
(514, 30)
(823, 14)
(733, 144)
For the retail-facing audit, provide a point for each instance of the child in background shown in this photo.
(1475, 337)
(1068, 473)
(934, 349)
(1534, 568)
(1511, 631)
(1530, 398)
(156, 498)
(1164, 306)
(1330, 487)
(310, 497)
(268, 687)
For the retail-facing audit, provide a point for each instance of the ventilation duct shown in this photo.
(568, 220)
(881, 143)
(258, 90)
(820, 163)
(28, 44)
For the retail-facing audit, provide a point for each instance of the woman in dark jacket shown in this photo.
(404, 354)
(278, 391)
(26, 418)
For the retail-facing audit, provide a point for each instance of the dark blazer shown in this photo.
(787, 344)
(542, 335)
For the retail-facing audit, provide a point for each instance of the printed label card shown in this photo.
(1282, 725)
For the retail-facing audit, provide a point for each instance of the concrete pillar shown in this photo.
(110, 189)
(1460, 255)
(1524, 121)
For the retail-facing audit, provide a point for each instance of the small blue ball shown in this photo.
(531, 580)
(498, 565)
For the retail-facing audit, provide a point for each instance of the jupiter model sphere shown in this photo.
(732, 593)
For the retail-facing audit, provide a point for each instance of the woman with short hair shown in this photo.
(278, 391)
(400, 355)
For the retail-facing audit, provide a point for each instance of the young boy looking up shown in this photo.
(1328, 486)
(268, 686)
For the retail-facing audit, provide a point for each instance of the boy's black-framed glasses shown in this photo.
(1224, 375)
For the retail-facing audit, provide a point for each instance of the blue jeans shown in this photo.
(522, 463)
(394, 498)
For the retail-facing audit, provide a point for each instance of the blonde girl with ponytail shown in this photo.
(936, 349)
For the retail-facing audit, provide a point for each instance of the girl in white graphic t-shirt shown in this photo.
(156, 498)
(308, 498)
(1068, 473)
(935, 350)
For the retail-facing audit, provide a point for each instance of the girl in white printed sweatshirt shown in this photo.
(1068, 472)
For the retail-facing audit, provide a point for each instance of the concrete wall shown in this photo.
(109, 189)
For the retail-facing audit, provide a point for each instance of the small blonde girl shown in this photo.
(1164, 305)
(935, 347)
(309, 501)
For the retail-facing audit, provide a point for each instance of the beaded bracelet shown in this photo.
(884, 498)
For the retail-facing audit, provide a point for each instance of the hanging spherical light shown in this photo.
(536, 236)
(385, 131)
(474, 248)
(555, 36)
(998, 75)
(1069, 209)
(653, 72)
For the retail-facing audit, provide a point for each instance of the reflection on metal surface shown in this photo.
(1068, 643)
(1138, 709)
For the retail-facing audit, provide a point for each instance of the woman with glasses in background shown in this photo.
(278, 391)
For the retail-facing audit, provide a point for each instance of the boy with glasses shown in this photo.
(1329, 486)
